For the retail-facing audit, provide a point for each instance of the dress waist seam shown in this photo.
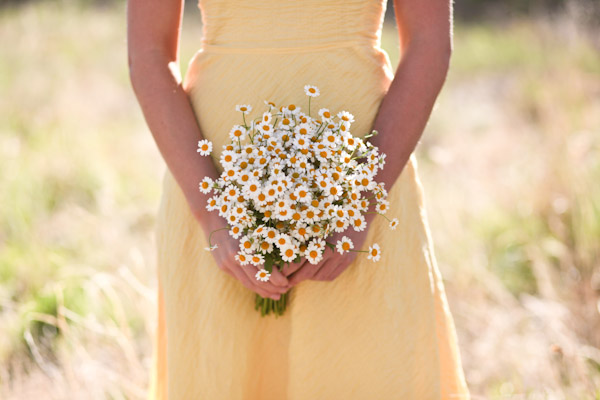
(213, 48)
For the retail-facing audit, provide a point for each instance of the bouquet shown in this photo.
(289, 180)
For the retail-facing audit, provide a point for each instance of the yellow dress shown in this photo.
(380, 330)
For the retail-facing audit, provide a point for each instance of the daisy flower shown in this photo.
(289, 253)
(244, 108)
(206, 185)
(359, 224)
(257, 259)
(345, 116)
(263, 275)
(325, 114)
(271, 235)
(374, 252)
(320, 243)
(344, 245)
(238, 132)
(302, 194)
(211, 248)
(246, 244)
(264, 127)
(235, 231)
(383, 206)
(242, 258)
(393, 223)
(311, 90)
(267, 117)
(283, 240)
(340, 225)
(212, 204)
(228, 158)
(313, 254)
(300, 232)
(204, 147)
(266, 247)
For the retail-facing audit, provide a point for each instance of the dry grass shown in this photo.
(509, 163)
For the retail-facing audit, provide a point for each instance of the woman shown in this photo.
(352, 329)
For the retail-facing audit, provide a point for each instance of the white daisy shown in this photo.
(302, 194)
(359, 224)
(247, 244)
(267, 117)
(264, 127)
(374, 252)
(263, 275)
(345, 116)
(383, 206)
(212, 204)
(300, 232)
(394, 224)
(257, 259)
(311, 90)
(211, 248)
(313, 254)
(325, 114)
(238, 132)
(245, 108)
(340, 225)
(228, 158)
(320, 243)
(283, 240)
(235, 231)
(204, 147)
(206, 185)
(344, 245)
(242, 258)
(289, 253)
(271, 235)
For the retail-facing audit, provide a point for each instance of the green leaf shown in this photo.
(269, 263)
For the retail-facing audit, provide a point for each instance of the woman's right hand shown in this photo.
(224, 255)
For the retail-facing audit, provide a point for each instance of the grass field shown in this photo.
(510, 163)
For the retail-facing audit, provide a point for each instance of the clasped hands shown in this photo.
(330, 267)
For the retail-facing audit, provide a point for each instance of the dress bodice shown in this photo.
(293, 24)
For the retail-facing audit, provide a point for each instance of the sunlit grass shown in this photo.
(509, 163)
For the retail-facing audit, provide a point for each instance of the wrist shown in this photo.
(208, 220)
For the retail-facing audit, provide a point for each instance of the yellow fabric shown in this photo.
(380, 330)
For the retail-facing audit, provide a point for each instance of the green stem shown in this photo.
(210, 236)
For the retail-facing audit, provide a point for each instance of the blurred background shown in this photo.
(510, 164)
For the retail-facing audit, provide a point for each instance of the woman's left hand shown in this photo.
(333, 263)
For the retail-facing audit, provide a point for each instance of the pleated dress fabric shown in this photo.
(380, 330)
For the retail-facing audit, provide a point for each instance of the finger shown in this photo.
(325, 271)
(342, 267)
(251, 270)
(278, 278)
(306, 272)
(291, 268)
(243, 278)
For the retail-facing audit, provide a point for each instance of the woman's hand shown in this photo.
(333, 263)
(224, 255)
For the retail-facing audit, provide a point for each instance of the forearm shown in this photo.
(172, 122)
(406, 107)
